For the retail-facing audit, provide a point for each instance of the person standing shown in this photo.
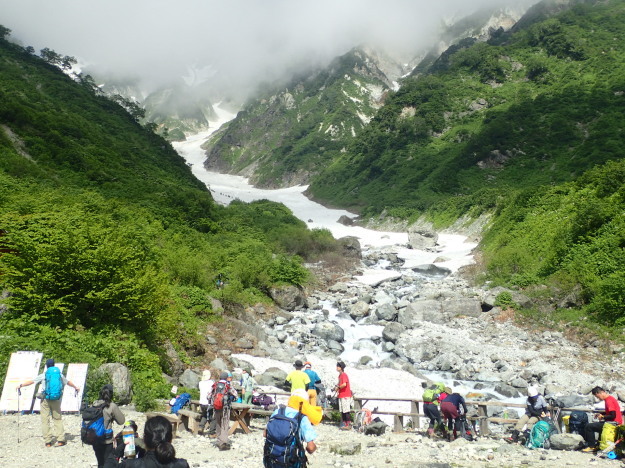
(611, 414)
(297, 379)
(52, 382)
(345, 397)
(220, 399)
(110, 412)
(205, 385)
(311, 386)
(247, 387)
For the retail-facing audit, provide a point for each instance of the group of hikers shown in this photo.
(289, 434)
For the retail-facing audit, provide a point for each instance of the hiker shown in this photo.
(346, 400)
(117, 455)
(612, 413)
(297, 378)
(535, 410)
(51, 387)
(312, 385)
(110, 412)
(432, 396)
(160, 453)
(450, 407)
(247, 386)
(289, 433)
(220, 398)
(205, 385)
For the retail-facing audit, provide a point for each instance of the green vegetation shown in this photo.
(109, 247)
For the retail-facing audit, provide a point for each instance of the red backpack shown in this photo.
(220, 395)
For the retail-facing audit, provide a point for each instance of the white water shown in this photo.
(383, 382)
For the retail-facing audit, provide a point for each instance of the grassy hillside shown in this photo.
(288, 136)
(109, 247)
(529, 126)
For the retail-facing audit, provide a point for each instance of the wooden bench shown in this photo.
(190, 420)
(172, 418)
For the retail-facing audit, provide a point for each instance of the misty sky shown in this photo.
(240, 42)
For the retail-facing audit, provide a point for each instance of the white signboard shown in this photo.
(37, 402)
(77, 374)
(23, 366)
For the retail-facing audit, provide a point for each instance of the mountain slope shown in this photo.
(283, 138)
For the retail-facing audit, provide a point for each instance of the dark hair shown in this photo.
(341, 364)
(597, 390)
(106, 394)
(158, 436)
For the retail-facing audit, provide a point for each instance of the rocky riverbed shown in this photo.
(389, 450)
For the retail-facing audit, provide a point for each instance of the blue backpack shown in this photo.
(539, 435)
(54, 384)
(181, 400)
(93, 431)
(283, 445)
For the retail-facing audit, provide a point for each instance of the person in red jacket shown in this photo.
(345, 396)
(612, 413)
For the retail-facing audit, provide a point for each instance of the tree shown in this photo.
(4, 32)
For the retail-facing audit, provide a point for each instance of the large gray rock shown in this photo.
(565, 441)
(376, 428)
(462, 306)
(118, 375)
(432, 270)
(359, 310)
(173, 364)
(329, 331)
(189, 379)
(288, 297)
(507, 390)
(350, 247)
(392, 331)
(421, 237)
(346, 449)
(386, 311)
(272, 376)
(428, 310)
(219, 363)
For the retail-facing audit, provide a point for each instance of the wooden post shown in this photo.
(414, 409)
(482, 412)
(357, 404)
(398, 423)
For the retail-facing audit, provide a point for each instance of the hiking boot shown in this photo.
(590, 449)
(224, 447)
(48, 444)
(346, 427)
(60, 444)
(430, 432)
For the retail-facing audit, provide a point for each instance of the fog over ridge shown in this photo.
(234, 43)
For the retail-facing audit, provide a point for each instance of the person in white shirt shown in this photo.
(206, 384)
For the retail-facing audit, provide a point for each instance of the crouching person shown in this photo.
(535, 410)
(289, 434)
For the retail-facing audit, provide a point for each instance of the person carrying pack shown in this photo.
(220, 398)
(97, 424)
(52, 382)
(289, 435)
(535, 409)
(612, 415)
(431, 410)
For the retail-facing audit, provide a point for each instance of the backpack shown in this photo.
(263, 400)
(539, 435)
(180, 401)
(283, 445)
(431, 393)
(54, 384)
(220, 395)
(92, 430)
(577, 422)
(362, 420)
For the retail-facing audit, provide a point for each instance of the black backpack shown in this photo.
(283, 446)
(577, 422)
(92, 430)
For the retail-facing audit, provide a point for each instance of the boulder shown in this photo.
(507, 390)
(189, 379)
(335, 347)
(288, 297)
(329, 331)
(376, 428)
(392, 331)
(350, 247)
(173, 364)
(346, 449)
(421, 237)
(462, 306)
(346, 220)
(118, 375)
(219, 363)
(432, 270)
(566, 441)
(386, 311)
(359, 310)
(272, 376)
(244, 343)
(428, 310)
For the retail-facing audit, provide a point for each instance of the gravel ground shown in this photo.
(394, 450)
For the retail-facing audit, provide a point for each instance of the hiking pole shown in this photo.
(19, 397)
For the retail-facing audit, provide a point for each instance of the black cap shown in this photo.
(50, 363)
(298, 364)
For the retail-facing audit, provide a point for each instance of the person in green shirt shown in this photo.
(297, 378)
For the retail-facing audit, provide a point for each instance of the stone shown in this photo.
(346, 449)
(219, 364)
(272, 376)
(244, 343)
(288, 297)
(565, 441)
(189, 379)
(350, 247)
(329, 331)
(118, 375)
(464, 306)
(386, 311)
(359, 310)
(364, 360)
(428, 310)
(432, 270)
(392, 331)
(335, 346)
(376, 428)
(281, 335)
(422, 237)
(346, 220)
(173, 364)
(507, 390)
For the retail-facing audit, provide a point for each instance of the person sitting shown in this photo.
(160, 453)
(450, 407)
(535, 409)
(612, 414)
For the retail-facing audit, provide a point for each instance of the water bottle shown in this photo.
(128, 434)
